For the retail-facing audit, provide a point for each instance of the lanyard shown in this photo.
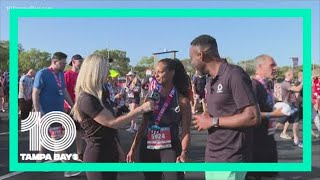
(166, 104)
(263, 82)
(58, 80)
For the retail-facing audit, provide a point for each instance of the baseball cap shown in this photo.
(131, 73)
(113, 73)
(75, 57)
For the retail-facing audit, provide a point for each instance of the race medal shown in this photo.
(159, 139)
(155, 127)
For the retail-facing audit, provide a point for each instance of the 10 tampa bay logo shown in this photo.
(41, 135)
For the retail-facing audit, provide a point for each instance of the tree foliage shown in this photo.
(188, 67)
(33, 59)
(144, 64)
(248, 66)
(229, 60)
(4, 54)
(37, 59)
(120, 61)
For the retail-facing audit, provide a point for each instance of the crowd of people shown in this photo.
(240, 113)
(4, 90)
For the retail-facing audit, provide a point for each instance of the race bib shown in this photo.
(56, 132)
(159, 139)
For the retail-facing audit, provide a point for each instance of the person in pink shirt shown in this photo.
(70, 77)
(316, 100)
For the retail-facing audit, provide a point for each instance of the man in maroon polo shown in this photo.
(232, 108)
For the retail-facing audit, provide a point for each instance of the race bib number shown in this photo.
(159, 139)
(56, 132)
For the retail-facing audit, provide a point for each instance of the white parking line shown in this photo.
(6, 176)
(5, 133)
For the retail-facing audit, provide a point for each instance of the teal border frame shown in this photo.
(15, 14)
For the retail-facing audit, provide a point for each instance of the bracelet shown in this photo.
(268, 115)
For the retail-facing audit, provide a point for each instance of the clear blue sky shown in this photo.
(238, 38)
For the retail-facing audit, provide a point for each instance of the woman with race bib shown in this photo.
(158, 135)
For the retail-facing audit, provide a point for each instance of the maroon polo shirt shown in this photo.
(228, 94)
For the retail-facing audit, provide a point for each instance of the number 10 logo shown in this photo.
(38, 131)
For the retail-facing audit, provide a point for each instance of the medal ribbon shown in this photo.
(264, 83)
(166, 104)
(58, 80)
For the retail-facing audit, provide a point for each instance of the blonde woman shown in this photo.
(133, 91)
(96, 116)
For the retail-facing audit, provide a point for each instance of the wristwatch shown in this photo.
(215, 121)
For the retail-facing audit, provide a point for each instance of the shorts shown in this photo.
(135, 100)
(1, 92)
(225, 175)
(293, 118)
(301, 113)
(6, 91)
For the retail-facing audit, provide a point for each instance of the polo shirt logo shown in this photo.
(220, 87)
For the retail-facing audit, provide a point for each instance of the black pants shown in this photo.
(25, 107)
(98, 153)
(164, 155)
